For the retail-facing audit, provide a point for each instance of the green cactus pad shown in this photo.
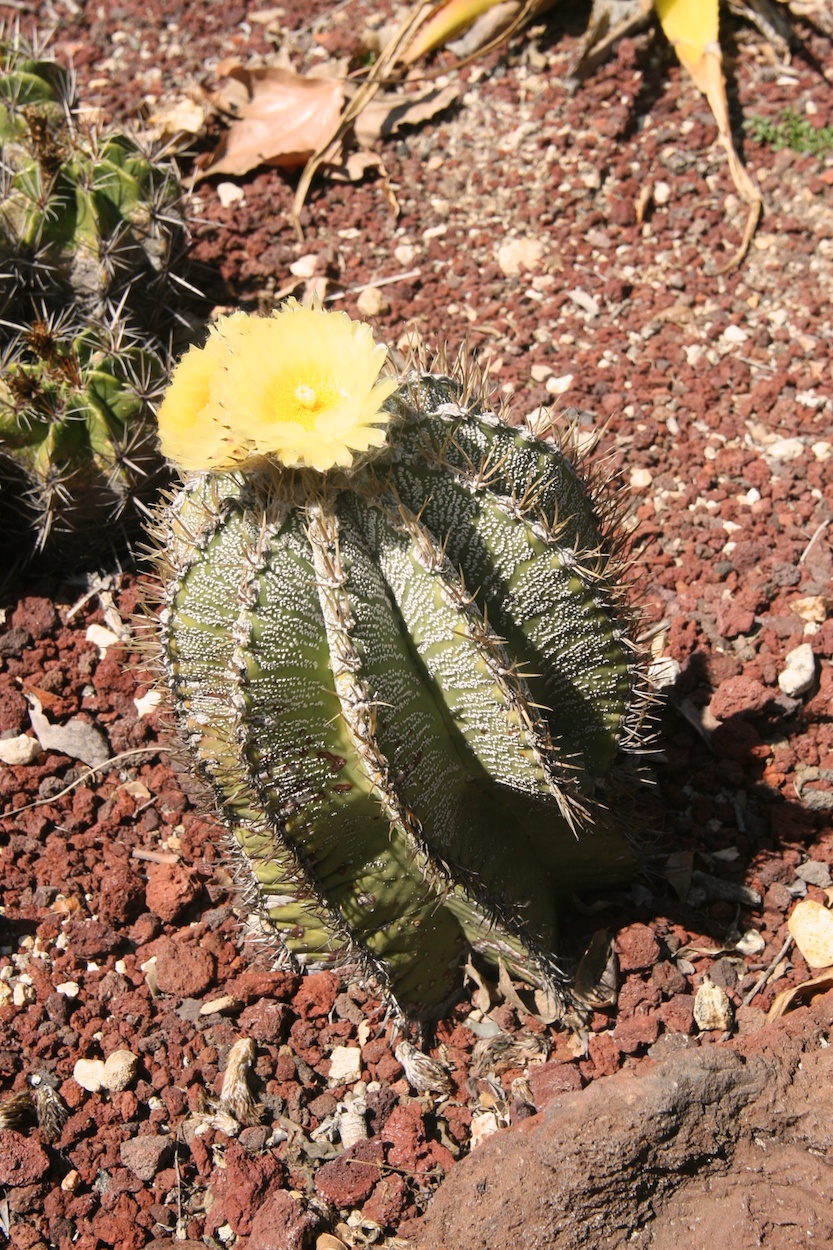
(408, 686)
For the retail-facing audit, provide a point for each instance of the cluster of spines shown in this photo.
(136, 263)
(77, 429)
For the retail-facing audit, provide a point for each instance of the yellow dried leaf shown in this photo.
(811, 926)
(691, 27)
(446, 22)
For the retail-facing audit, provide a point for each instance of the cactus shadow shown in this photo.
(724, 814)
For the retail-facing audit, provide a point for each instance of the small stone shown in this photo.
(345, 1065)
(145, 1156)
(120, 1071)
(517, 254)
(89, 1073)
(19, 750)
(548, 1080)
(637, 947)
(641, 479)
(229, 193)
(103, 638)
(584, 301)
(735, 334)
(662, 193)
(22, 1160)
(171, 889)
(345, 1183)
(713, 1008)
(800, 671)
(372, 303)
(814, 873)
(560, 386)
(814, 609)
(184, 969)
(784, 449)
(281, 1223)
(305, 266)
(634, 1032)
(226, 1003)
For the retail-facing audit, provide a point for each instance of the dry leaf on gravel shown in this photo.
(76, 738)
(283, 119)
(389, 112)
(811, 926)
(799, 995)
(175, 125)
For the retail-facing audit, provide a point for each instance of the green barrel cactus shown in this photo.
(87, 216)
(399, 650)
(78, 454)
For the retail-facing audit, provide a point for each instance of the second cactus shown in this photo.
(399, 650)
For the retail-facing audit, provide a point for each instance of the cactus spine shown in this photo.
(409, 684)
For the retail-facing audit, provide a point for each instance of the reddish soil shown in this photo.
(120, 926)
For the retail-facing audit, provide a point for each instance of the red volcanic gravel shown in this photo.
(713, 395)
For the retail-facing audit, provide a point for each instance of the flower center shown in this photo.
(306, 396)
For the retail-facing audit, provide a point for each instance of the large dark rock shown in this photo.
(719, 1145)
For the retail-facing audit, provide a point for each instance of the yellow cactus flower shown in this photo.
(299, 387)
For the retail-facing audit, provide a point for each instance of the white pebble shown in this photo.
(712, 1007)
(345, 1065)
(785, 449)
(229, 193)
(19, 750)
(662, 193)
(89, 1073)
(800, 671)
(735, 334)
(559, 386)
(120, 1070)
(372, 303)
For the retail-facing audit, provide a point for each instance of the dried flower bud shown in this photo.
(236, 1096)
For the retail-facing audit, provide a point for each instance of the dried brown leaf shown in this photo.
(283, 120)
(800, 995)
(389, 112)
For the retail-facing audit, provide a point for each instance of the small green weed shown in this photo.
(791, 131)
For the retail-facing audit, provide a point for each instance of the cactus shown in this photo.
(78, 432)
(408, 677)
(86, 217)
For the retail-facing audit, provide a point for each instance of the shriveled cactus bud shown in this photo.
(408, 677)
